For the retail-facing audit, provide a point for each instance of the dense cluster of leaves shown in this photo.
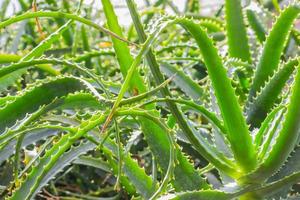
(181, 106)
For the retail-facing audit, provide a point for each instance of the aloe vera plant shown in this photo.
(171, 107)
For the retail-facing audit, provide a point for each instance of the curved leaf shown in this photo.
(43, 93)
(199, 195)
(285, 141)
(265, 100)
(273, 48)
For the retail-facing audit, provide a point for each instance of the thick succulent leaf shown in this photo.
(68, 157)
(62, 162)
(35, 179)
(121, 49)
(47, 43)
(265, 100)
(74, 101)
(199, 195)
(238, 134)
(136, 175)
(236, 31)
(273, 48)
(278, 189)
(23, 64)
(191, 105)
(7, 80)
(285, 141)
(34, 136)
(256, 25)
(155, 136)
(43, 93)
(158, 77)
(57, 14)
(292, 165)
(184, 82)
(259, 136)
(270, 134)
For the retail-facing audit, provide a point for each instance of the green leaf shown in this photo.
(8, 148)
(273, 48)
(278, 189)
(199, 195)
(265, 100)
(136, 175)
(259, 136)
(290, 166)
(155, 136)
(256, 25)
(30, 101)
(57, 14)
(35, 179)
(184, 82)
(6, 81)
(285, 141)
(158, 77)
(122, 51)
(236, 31)
(234, 121)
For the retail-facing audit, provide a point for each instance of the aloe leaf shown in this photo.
(286, 139)
(39, 172)
(184, 82)
(36, 52)
(34, 179)
(122, 51)
(265, 100)
(256, 25)
(269, 135)
(200, 195)
(185, 127)
(296, 36)
(259, 136)
(234, 121)
(67, 35)
(27, 189)
(170, 169)
(7, 58)
(74, 101)
(57, 14)
(47, 43)
(86, 45)
(155, 136)
(83, 148)
(145, 95)
(65, 160)
(212, 25)
(278, 189)
(137, 176)
(236, 31)
(159, 79)
(289, 167)
(31, 100)
(92, 162)
(274, 45)
(34, 136)
(210, 116)
(91, 54)
(5, 71)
